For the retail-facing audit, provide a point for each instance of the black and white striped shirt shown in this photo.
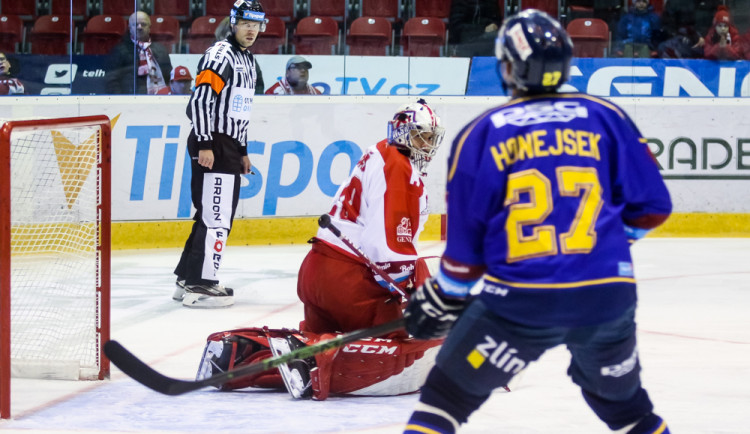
(224, 90)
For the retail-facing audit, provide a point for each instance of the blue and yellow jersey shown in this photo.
(539, 193)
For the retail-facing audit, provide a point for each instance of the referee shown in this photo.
(220, 113)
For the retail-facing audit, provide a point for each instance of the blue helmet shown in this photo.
(250, 10)
(538, 49)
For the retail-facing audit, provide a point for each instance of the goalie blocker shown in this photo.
(368, 367)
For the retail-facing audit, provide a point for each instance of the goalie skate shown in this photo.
(297, 373)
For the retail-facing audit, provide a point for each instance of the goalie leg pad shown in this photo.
(373, 367)
(232, 349)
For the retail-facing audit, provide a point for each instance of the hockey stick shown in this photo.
(139, 371)
(325, 222)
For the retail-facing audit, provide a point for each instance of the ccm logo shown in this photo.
(370, 349)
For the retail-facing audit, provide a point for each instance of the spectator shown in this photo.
(638, 31)
(696, 14)
(723, 39)
(180, 82)
(295, 82)
(473, 27)
(147, 74)
(9, 84)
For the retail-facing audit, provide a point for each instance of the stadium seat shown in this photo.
(316, 35)
(336, 9)
(273, 39)
(201, 34)
(102, 32)
(177, 9)
(166, 31)
(549, 6)
(369, 36)
(284, 9)
(62, 7)
(423, 36)
(119, 7)
(390, 9)
(50, 35)
(432, 8)
(26, 10)
(220, 7)
(590, 37)
(11, 34)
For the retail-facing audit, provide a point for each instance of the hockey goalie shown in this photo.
(355, 281)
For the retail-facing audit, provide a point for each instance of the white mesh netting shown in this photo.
(54, 255)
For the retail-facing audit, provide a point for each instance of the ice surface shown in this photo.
(694, 340)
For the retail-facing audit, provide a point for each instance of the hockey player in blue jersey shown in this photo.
(544, 195)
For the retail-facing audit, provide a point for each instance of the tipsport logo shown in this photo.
(157, 156)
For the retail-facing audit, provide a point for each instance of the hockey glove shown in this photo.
(431, 313)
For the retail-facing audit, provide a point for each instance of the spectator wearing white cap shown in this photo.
(180, 82)
(295, 81)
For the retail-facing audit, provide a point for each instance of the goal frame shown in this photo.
(103, 234)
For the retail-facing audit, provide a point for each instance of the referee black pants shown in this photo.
(215, 193)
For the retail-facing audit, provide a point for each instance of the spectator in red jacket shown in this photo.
(9, 84)
(723, 39)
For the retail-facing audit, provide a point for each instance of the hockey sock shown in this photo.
(651, 424)
(443, 405)
(617, 414)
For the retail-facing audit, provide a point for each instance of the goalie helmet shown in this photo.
(250, 10)
(538, 49)
(416, 128)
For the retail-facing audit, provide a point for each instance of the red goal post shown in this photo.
(54, 249)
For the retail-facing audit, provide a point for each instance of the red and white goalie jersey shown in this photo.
(382, 208)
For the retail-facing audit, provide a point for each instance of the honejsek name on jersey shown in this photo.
(536, 144)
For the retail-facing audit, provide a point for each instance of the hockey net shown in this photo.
(55, 250)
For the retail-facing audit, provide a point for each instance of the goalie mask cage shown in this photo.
(54, 250)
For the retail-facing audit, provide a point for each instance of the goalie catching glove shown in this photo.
(431, 312)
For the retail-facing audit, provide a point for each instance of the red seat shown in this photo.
(177, 9)
(25, 9)
(548, 6)
(102, 32)
(390, 9)
(369, 36)
(284, 9)
(423, 36)
(124, 8)
(166, 31)
(271, 41)
(62, 7)
(316, 35)
(336, 9)
(11, 33)
(433, 8)
(50, 35)
(220, 7)
(590, 37)
(202, 33)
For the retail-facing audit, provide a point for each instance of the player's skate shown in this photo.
(207, 296)
(179, 290)
(296, 374)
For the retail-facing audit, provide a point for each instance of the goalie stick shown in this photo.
(139, 371)
(325, 222)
